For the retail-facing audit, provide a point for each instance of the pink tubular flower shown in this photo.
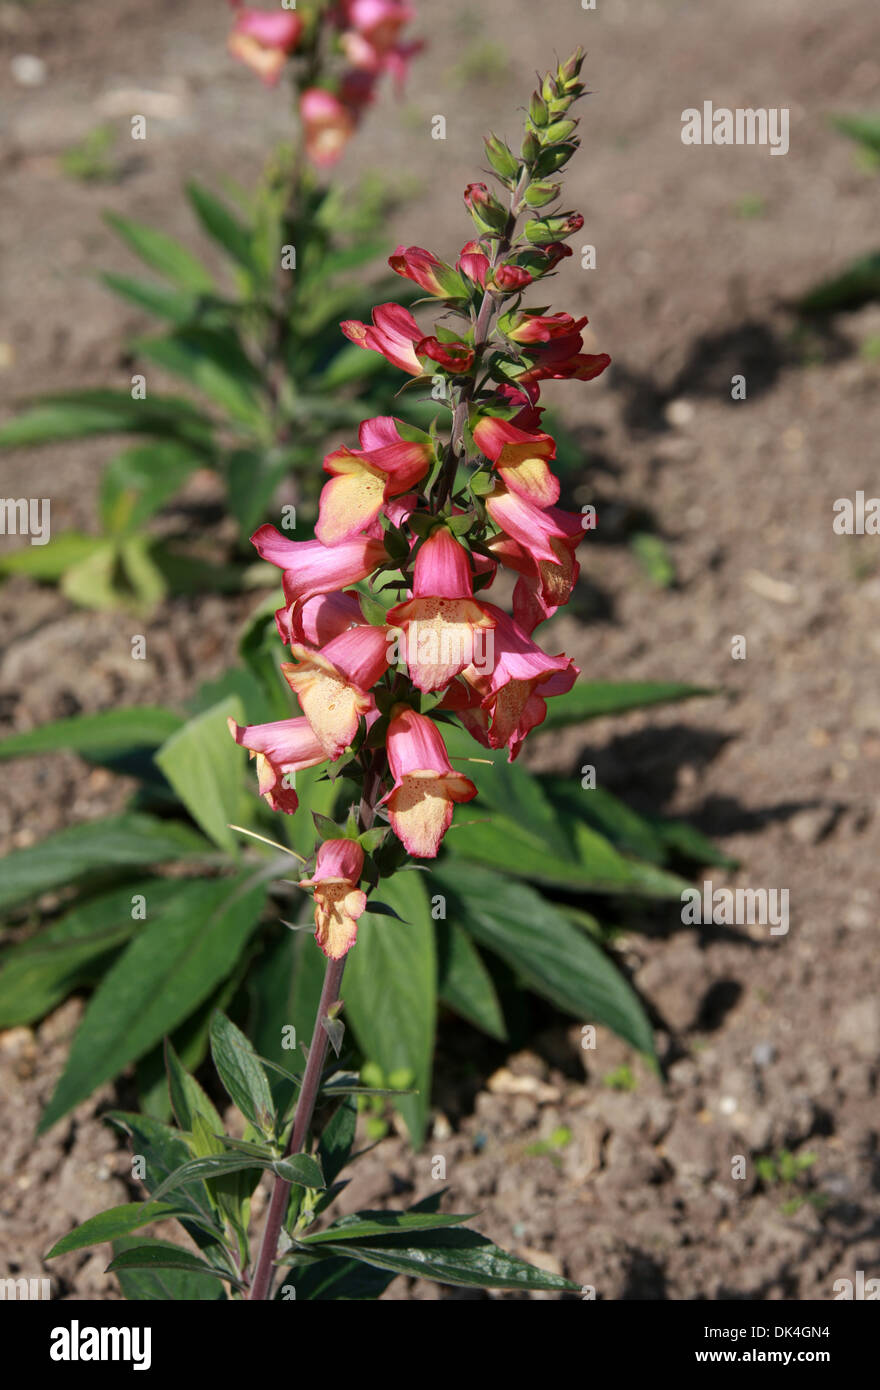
(338, 900)
(477, 195)
(520, 458)
(284, 747)
(371, 40)
(474, 263)
(364, 479)
(523, 677)
(533, 527)
(319, 619)
(312, 568)
(557, 362)
(546, 583)
(263, 38)
(394, 333)
(329, 125)
(444, 628)
(455, 357)
(425, 783)
(424, 269)
(332, 685)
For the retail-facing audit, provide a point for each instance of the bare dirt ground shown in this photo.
(770, 1043)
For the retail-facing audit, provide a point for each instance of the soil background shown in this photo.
(769, 1043)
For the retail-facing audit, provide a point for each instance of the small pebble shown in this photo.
(28, 70)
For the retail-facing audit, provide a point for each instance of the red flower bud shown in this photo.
(455, 357)
(509, 278)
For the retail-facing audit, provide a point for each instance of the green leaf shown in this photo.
(175, 305)
(550, 954)
(76, 414)
(285, 987)
(210, 1166)
(162, 253)
(337, 1140)
(336, 1280)
(857, 285)
(163, 975)
(117, 1221)
(97, 581)
(464, 983)
(390, 992)
(301, 1169)
(589, 863)
(49, 562)
(864, 129)
(509, 789)
(38, 973)
(252, 477)
(165, 1285)
(456, 1257)
(241, 1073)
(187, 1097)
(591, 699)
(213, 362)
(163, 1150)
(221, 224)
(160, 1254)
(97, 736)
(116, 842)
(361, 1225)
(138, 482)
(205, 767)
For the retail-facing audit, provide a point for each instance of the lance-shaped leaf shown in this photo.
(390, 992)
(457, 1257)
(547, 951)
(362, 1225)
(164, 974)
(160, 1254)
(592, 699)
(116, 1221)
(206, 769)
(162, 253)
(163, 1284)
(97, 736)
(41, 971)
(242, 1074)
(76, 414)
(118, 842)
(464, 982)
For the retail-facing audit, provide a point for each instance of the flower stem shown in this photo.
(264, 1268)
(261, 1286)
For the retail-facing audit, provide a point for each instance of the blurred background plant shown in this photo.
(268, 379)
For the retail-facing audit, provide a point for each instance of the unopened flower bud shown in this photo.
(537, 195)
(543, 230)
(559, 130)
(501, 157)
(538, 110)
(489, 215)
